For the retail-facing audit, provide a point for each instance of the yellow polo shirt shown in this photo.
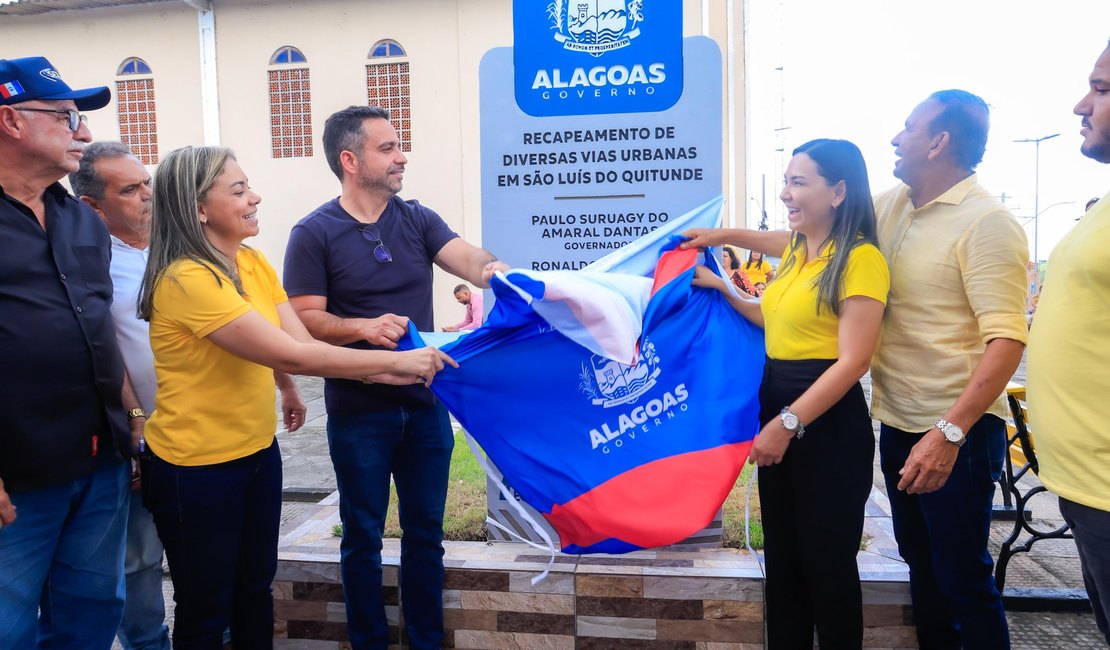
(757, 272)
(1069, 364)
(792, 327)
(211, 406)
(957, 281)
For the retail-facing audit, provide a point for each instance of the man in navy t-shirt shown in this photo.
(357, 270)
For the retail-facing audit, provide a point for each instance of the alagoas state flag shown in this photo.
(621, 407)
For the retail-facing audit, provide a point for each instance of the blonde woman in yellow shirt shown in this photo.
(821, 316)
(223, 332)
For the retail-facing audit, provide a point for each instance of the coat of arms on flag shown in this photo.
(619, 401)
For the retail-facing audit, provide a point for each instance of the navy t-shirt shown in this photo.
(328, 256)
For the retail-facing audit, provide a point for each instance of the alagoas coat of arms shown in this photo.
(595, 26)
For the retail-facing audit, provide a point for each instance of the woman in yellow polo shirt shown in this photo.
(821, 316)
(222, 332)
(758, 269)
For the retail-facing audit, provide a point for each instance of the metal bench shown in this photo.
(1020, 460)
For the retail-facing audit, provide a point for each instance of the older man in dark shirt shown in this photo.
(62, 413)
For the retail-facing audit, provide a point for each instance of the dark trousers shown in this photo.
(414, 445)
(219, 524)
(812, 506)
(942, 536)
(1091, 528)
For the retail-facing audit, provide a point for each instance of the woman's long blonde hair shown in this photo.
(181, 184)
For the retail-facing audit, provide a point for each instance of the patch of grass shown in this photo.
(464, 518)
(733, 523)
(465, 515)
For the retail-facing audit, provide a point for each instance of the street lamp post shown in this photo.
(1037, 188)
(780, 135)
(763, 201)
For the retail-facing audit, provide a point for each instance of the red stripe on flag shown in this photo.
(660, 503)
(672, 264)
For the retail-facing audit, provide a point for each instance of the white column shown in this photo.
(730, 61)
(209, 88)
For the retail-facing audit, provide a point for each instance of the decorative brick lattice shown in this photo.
(138, 126)
(387, 85)
(290, 113)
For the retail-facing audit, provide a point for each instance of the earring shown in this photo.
(203, 222)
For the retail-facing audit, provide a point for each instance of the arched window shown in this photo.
(287, 54)
(385, 48)
(387, 85)
(138, 124)
(290, 104)
(134, 65)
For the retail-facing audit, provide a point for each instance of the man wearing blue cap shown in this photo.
(63, 430)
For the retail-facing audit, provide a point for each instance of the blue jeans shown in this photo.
(61, 562)
(144, 612)
(1091, 528)
(219, 525)
(942, 536)
(414, 445)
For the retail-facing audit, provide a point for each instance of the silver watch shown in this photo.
(952, 433)
(792, 423)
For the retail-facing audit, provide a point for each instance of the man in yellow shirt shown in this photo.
(1069, 365)
(952, 337)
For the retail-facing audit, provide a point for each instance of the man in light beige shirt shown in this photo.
(953, 334)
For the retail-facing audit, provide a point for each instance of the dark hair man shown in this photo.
(1069, 365)
(472, 300)
(357, 270)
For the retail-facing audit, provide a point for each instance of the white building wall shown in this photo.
(87, 47)
(445, 41)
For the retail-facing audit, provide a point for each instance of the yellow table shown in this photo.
(1017, 454)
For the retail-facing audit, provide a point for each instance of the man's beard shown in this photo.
(379, 184)
(1100, 149)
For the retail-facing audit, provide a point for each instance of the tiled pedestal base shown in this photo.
(681, 599)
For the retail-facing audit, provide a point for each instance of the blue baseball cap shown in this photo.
(33, 77)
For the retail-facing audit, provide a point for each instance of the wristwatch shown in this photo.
(136, 413)
(792, 423)
(952, 433)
